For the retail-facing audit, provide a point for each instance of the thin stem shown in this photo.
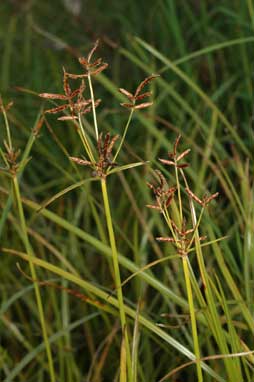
(251, 11)
(84, 140)
(193, 317)
(118, 283)
(168, 221)
(31, 255)
(124, 134)
(93, 106)
(196, 228)
(7, 128)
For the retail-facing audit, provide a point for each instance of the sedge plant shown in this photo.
(13, 170)
(181, 209)
(98, 150)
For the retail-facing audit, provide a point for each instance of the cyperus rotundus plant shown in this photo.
(101, 161)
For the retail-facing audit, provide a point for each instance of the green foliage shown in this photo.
(54, 223)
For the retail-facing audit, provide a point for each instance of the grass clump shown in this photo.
(123, 292)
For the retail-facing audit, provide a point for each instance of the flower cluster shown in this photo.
(105, 156)
(182, 237)
(77, 105)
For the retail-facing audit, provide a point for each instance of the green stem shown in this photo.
(84, 140)
(93, 106)
(193, 318)
(124, 134)
(251, 11)
(7, 129)
(118, 282)
(30, 253)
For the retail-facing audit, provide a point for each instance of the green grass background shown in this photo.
(203, 51)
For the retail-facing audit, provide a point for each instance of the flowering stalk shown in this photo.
(180, 235)
(13, 168)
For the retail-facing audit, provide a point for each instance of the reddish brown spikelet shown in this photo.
(188, 231)
(181, 156)
(143, 105)
(165, 161)
(176, 144)
(83, 103)
(76, 76)
(169, 200)
(166, 239)
(144, 95)
(75, 93)
(194, 197)
(154, 207)
(66, 85)
(144, 83)
(127, 94)
(111, 144)
(56, 109)
(105, 145)
(67, 118)
(150, 185)
(80, 161)
(183, 165)
(83, 61)
(96, 44)
(88, 109)
(9, 105)
(38, 126)
(210, 198)
(53, 96)
(95, 63)
(127, 105)
(99, 70)
(161, 177)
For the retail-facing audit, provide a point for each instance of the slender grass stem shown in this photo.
(193, 317)
(124, 134)
(7, 129)
(30, 253)
(118, 282)
(84, 140)
(251, 11)
(188, 286)
(168, 221)
(93, 106)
